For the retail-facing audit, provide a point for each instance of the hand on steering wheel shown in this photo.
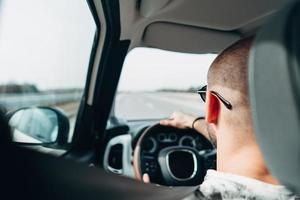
(146, 178)
(179, 120)
(187, 121)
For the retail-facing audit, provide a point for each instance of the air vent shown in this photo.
(115, 158)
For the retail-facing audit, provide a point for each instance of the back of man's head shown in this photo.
(229, 76)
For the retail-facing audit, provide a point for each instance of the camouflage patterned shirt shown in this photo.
(220, 185)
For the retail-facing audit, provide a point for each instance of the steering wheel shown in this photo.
(173, 157)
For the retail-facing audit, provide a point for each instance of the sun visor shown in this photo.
(275, 94)
(190, 40)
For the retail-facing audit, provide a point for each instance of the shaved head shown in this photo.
(230, 70)
(228, 75)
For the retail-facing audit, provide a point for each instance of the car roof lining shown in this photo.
(146, 22)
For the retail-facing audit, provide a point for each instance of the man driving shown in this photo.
(241, 171)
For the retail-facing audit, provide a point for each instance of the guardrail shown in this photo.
(15, 101)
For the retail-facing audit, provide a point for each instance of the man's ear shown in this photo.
(213, 108)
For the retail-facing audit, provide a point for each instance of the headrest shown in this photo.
(274, 81)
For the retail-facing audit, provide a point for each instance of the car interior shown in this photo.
(106, 155)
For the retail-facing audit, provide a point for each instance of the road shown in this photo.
(129, 105)
(156, 105)
(17, 100)
(134, 106)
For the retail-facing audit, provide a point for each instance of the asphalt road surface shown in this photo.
(144, 106)
(156, 105)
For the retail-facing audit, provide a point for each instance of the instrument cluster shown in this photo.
(161, 140)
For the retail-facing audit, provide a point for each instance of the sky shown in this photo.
(147, 69)
(48, 43)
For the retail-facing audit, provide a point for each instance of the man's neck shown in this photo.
(244, 161)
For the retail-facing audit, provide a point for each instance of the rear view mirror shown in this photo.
(39, 125)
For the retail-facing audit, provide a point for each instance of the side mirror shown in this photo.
(39, 125)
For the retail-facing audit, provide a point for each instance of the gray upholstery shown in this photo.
(274, 79)
(210, 18)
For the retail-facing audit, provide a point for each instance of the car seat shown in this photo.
(274, 81)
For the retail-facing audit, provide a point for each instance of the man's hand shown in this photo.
(182, 121)
(179, 120)
(146, 178)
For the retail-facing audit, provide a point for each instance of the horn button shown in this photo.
(174, 160)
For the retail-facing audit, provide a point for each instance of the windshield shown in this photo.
(154, 83)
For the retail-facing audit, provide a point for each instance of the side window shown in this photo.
(154, 83)
(45, 48)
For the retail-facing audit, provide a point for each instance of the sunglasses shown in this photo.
(202, 93)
